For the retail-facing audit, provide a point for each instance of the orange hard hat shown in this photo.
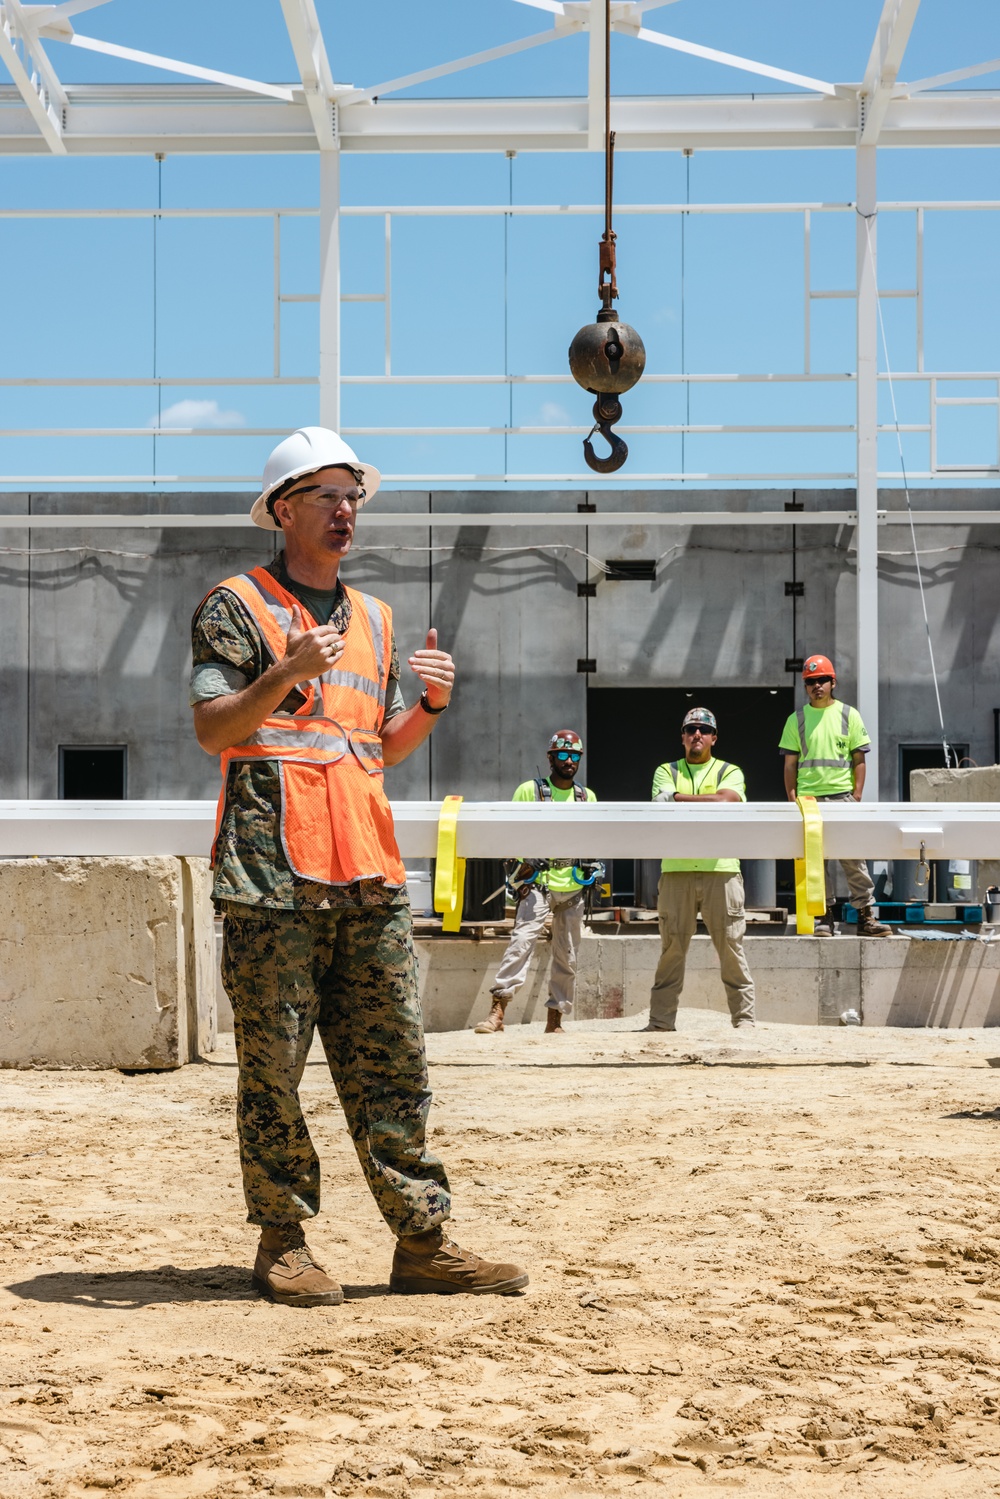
(817, 666)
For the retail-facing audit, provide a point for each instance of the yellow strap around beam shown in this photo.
(810, 878)
(449, 871)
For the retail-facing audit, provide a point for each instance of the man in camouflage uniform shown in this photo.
(300, 955)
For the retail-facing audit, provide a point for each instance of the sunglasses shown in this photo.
(817, 681)
(697, 728)
(574, 755)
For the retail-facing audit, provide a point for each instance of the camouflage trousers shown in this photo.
(349, 973)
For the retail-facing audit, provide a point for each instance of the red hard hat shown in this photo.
(817, 666)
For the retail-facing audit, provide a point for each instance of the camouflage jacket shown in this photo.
(250, 864)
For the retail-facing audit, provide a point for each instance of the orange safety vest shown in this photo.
(336, 822)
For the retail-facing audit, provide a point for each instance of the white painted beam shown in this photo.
(895, 25)
(597, 61)
(377, 519)
(461, 64)
(866, 421)
(191, 118)
(306, 37)
(38, 86)
(172, 65)
(497, 830)
(732, 60)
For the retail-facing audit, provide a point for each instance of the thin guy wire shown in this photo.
(906, 491)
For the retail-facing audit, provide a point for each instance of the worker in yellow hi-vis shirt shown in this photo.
(546, 888)
(715, 886)
(824, 745)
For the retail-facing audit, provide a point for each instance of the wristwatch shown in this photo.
(427, 707)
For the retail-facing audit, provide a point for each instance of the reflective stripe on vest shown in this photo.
(845, 724)
(336, 824)
(259, 585)
(721, 767)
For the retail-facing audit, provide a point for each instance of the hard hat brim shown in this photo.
(261, 516)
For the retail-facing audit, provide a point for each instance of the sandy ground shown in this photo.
(765, 1262)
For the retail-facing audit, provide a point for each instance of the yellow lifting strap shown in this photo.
(810, 879)
(449, 871)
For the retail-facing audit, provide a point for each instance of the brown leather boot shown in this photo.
(553, 1022)
(286, 1271)
(494, 1020)
(431, 1264)
(869, 924)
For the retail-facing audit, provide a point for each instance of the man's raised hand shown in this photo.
(309, 653)
(436, 670)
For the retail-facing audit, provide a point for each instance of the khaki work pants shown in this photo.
(860, 887)
(529, 923)
(720, 898)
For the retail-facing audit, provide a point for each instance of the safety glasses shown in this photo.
(692, 729)
(323, 499)
(817, 681)
(573, 755)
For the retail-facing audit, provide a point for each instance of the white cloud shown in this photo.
(198, 414)
(554, 415)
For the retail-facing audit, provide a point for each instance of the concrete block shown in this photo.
(106, 962)
(912, 983)
(974, 783)
(455, 977)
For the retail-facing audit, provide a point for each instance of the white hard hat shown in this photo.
(303, 452)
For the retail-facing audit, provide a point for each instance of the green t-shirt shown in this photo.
(824, 740)
(559, 881)
(701, 780)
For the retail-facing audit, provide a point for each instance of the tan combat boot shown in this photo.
(286, 1271)
(494, 1020)
(430, 1264)
(869, 924)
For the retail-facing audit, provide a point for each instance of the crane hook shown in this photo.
(607, 411)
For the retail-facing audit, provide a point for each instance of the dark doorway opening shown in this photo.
(925, 757)
(632, 730)
(93, 772)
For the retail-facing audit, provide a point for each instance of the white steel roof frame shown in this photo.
(229, 113)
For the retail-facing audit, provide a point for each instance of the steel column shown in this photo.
(329, 289)
(867, 456)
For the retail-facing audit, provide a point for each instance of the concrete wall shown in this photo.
(97, 634)
(895, 981)
(898, 981)
(106, 962)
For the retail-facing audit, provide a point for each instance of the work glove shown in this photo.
(666, 795)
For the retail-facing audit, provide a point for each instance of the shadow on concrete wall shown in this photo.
(963, 989)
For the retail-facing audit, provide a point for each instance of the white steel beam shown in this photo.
(172, 65)
(498, 830)
(866, 615)
(731, 60)
(894, 27)
(192, 118)
(306, 37)
(378, 519)
(329, 289)
(921, 85)
(461, 64)
(39, 87)
(597, 62)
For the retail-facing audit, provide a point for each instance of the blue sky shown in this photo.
(83, 303)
